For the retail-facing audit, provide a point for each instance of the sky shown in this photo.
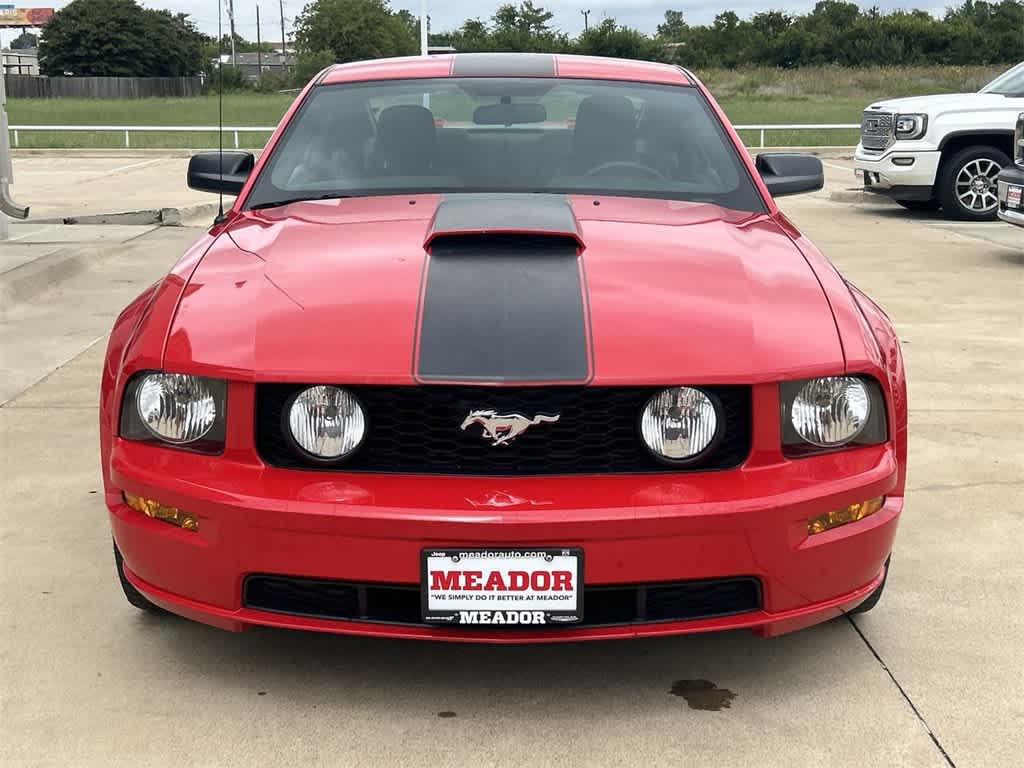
(449, 14)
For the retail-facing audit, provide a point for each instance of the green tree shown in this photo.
(353, 30)
(119, 38)
(609, 39)
(674, 28)
(23, 41)
(310, 63)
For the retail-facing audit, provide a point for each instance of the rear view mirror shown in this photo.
(790, 173)
(207, 173)
(509, 114)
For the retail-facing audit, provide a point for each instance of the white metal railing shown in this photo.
(130, 129)
(235, 130)
(797, 127)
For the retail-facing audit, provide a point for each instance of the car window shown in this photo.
(506, 135)
(1010, 83)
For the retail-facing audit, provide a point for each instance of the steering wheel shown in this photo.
(646, 170)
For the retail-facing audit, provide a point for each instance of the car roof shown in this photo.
(506, 65)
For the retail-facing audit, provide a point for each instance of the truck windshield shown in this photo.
(506, 135)
(1010, 83)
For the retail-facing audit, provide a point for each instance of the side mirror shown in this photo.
(207, 172)
(790, 173)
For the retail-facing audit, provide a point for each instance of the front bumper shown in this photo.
(883, 173)
(634, 529)
(1013, 175)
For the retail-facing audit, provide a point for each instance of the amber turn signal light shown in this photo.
(158, 511)
(850, 514)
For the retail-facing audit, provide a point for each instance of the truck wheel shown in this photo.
(874, 597)
(966, 184)
(133, 595)
(920, 205)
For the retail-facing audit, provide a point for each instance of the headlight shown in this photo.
(679, 424)
(831, 412)
(911, 126)
(175, 408)
(327, 423)
(1018, 140)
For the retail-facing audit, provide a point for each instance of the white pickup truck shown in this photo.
(1011, 181)
(928, 152)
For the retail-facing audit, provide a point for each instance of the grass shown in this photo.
(750, 95)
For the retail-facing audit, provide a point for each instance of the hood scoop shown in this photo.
(476, 215)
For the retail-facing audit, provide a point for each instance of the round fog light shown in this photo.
(327, 423)
(679, 424)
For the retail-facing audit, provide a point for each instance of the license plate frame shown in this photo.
(1015, 197)
(504, 606)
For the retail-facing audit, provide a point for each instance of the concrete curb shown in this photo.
(165, 217)
(852, 196)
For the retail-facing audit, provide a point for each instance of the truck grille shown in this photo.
(876, 130)
(417, 430)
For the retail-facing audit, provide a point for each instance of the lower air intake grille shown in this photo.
(602, 605)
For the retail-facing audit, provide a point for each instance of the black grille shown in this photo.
(602, 605)
(416, 430)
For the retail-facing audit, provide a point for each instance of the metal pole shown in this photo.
(231, 25)
(284, 41)
(586, 21)
(259, 47)
(424, 44)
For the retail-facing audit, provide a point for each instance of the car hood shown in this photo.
(944, 103)
(672, 292)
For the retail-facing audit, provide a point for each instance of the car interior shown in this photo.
(498, 138)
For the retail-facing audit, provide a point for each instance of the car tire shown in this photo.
(872, 600)
(132, 595)
(920, 205)
(960, 188)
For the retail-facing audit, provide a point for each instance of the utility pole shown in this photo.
(231, 27)
(259, 47)
(424, 44)
(284, 42)
(586, 20)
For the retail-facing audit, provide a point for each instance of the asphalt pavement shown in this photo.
(934, 676)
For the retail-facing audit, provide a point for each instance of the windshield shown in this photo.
(505, 135)
(1010, 83)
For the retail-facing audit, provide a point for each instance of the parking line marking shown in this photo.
(137, 165)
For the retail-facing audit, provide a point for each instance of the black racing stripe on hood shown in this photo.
(502, 308)
(503, 65)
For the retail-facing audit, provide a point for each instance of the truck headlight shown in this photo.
(1018, 140)
(911, 126)
(175, 409)
(831, 412)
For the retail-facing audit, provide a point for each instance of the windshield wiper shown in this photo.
(290, 200)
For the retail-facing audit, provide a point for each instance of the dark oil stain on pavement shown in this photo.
(446, 713)
(703, 694)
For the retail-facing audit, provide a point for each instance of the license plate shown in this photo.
(1013, 196)
(517, 587)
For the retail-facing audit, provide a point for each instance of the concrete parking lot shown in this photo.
(934, 676)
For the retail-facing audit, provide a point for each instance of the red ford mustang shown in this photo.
(504, 348)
